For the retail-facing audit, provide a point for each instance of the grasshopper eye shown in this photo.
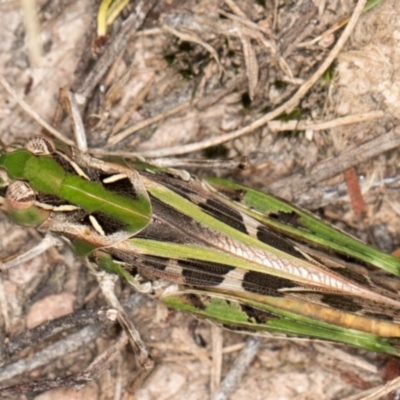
(40, 145)
(20, 196)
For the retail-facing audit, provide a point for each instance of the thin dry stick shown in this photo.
(342, 355)
(201, 104)
(250, 61)
(257, 31)
(49, 241)
(235, 8)
(191, 37)
(377, 392)
(68, 100)
(95, 369)
(277, 126)
(54, 327)
(355, 194)
(240, 366)
(32, 31)
(107, 285)
(130, 25)
(247, 22)
(55, 351)
(102, 362)
(128, 131)
(336, 27)
(286, 107)
(269, 44)
(216, 367)
(29, 110)
(347, 159)
(4, 308)
(136, 103)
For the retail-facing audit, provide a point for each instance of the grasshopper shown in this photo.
(236, 256)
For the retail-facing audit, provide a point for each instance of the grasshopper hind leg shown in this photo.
(107, 284)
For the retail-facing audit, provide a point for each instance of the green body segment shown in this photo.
(94, 198)
(236, 313)
(305, 226)
(46, 176)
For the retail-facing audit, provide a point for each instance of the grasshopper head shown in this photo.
(17, 198)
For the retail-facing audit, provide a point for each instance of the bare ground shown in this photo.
(195, 71)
